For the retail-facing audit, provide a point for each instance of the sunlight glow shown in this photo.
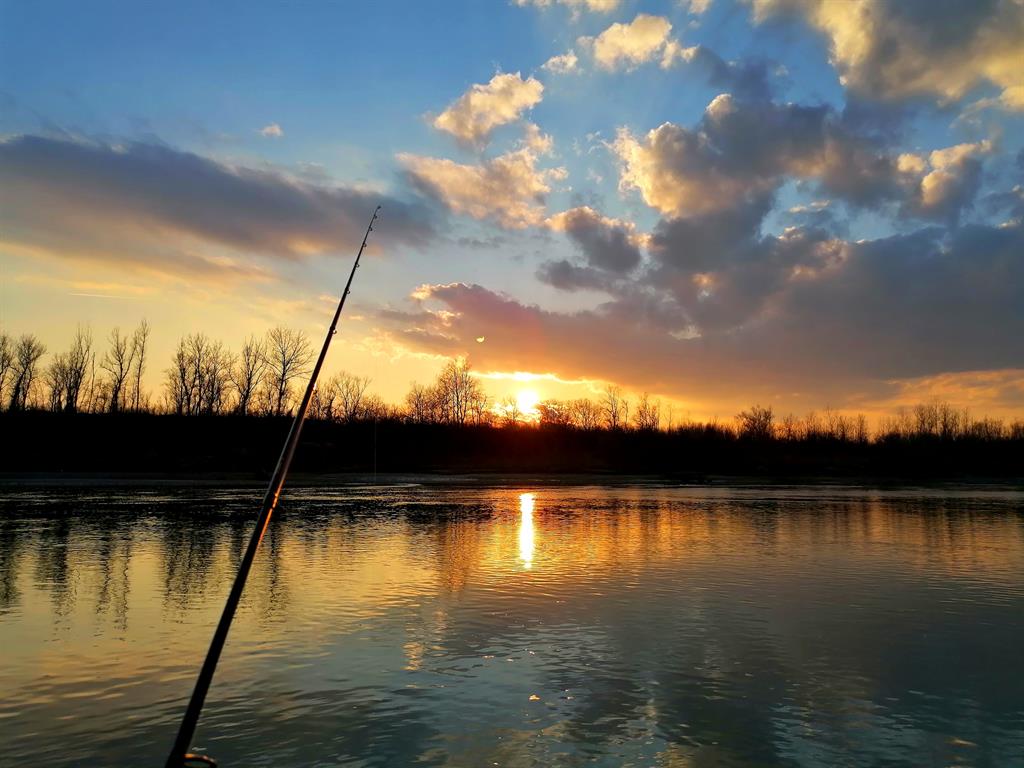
(526, 539)
(527, 400)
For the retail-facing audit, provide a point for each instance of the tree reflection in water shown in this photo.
(555, 626)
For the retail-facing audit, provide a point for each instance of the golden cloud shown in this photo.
(900, 50)
(484, 107)
(509, 189)
(629, 45)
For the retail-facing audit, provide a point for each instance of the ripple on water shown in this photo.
(545, 626)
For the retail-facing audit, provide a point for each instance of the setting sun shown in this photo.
(527, 400)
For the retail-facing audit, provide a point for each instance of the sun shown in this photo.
(527, 400)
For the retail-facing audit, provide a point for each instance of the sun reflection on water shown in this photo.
(526, 542)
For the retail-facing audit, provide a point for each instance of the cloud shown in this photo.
(913, 48)
(746, 79)
(626, 46)
(272, 131)
(950, 180)
(743, 149)
(696, 7)
(508, 189)
(176, 212)
(536, 140)
(481, 109)
(607, 244)
(564, 64)
(596, 6)
(863, 314)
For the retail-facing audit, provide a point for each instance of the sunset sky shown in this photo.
(789, 202)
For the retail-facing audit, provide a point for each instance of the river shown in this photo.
(531, 625)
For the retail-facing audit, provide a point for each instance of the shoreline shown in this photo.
(56, 480)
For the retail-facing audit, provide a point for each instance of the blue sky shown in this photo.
(659, 215)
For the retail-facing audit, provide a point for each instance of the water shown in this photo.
(543, 626)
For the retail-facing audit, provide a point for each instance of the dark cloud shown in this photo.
(176, 211)
(910, 306)
(747, 79)
(742, 150)
(723, 272)
(605, 243)
(610, 249)
(566, 276)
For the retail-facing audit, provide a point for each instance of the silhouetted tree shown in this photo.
(140, 345)
(419, 404)
(24, 370)
(554, 413)
(215, 378)
(198, 380)
(321, 405)
(585, 414)
(756, 424)
(117, 362)
(615, 407)
(456, 391)
(248, 372)
(6, 363)
(350, 393)
(288, 356)
(648, 414)
(511, 413)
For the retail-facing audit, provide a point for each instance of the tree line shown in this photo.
(266, 376)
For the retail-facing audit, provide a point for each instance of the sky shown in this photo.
(796, 203)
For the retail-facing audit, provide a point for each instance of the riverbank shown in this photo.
(246, 449)
(55, 480)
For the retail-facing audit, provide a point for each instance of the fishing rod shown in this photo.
(180, 756)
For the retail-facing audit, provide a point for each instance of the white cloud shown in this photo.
(537, 141)
(626, 46)
(596, 6)
(508, 189)
(484, 107)
(696, 7)
(562, 65)
(272, 131)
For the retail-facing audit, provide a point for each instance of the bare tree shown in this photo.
(117, 362)
(373, 408)
(648, 414)
(789, 428)
(757, 423)
(56, 381)
(480, 406)
(456, 390)
(419, 404)
(350, 392)
(554, 413)
(288, 356)
(511, 413)
(321, 405)
(66, 374)
(140, 343)
(199, 377)
(248, 373)
(585, 413)
(6, 362)
(24, 370)
(615, 407)
(179, 385)
(215, 378)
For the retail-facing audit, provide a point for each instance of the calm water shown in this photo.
(519, 627)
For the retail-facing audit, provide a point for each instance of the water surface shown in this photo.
(530, 626)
